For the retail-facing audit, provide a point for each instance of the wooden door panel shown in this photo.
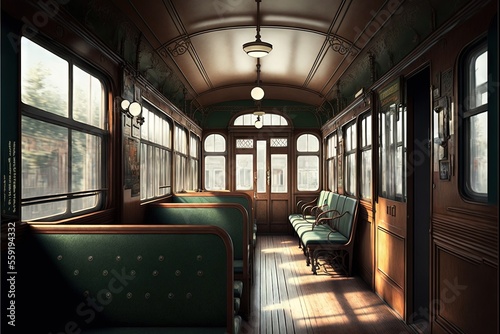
(279, 215)
(390, 274)
(390, 293)
(391, 256)
(261, 215)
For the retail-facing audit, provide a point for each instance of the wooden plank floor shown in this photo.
(288, 298)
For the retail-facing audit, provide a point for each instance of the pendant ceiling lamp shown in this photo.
(258, 48)
(259, 122)
(257, 92)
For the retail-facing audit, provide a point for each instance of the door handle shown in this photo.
(268, 176)
(391, 210)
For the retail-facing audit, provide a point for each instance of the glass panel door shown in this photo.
(244, 171)
(279, 168)
(261, 169)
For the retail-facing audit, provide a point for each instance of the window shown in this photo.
(350, 159)
(365, 147)
(279, 170)
(181, 151)
(64, 131)
(307, 162)
(267, 120)
(392, 148)
(244, 171)
(156, 154)
(214, 148)
(474, 117)
(331, 161)
(194, 149)
(244, 164)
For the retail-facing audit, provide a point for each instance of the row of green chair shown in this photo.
(326, 228)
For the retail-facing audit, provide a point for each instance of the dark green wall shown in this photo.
(10, 147)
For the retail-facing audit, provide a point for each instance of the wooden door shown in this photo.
(263, 170)
(391, 205)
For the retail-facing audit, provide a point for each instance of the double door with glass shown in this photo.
(262, 170)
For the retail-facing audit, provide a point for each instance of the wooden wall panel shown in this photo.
(364, 244)
(466, 292)
(465, 274)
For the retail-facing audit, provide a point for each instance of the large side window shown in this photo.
(64, 131)
(156, 154)
(214, 149)
(365, 146)
(331, 161)
(307, 163)
(474, 118)
(350, 158)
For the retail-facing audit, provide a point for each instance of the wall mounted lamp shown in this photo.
(132, 109)
(258, 48)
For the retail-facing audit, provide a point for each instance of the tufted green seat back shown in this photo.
(230, 217)
(245, 201)
(158, 279)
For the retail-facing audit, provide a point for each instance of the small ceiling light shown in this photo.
(257, 92)
(259, 123)
(258, 48)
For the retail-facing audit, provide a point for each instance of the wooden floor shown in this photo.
(287, 298)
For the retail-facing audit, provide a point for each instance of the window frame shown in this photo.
(165, 148)
(307, 153)
(466, 112)
(332, 160)
(181, 158)
(72, 126)
(350, 150)
(194, 162)
(215, 153)
(365, 148)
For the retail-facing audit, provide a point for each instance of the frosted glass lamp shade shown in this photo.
(257, 93)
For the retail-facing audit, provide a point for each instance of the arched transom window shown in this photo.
(268, 119)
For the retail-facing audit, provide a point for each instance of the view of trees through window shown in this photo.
(62, 147)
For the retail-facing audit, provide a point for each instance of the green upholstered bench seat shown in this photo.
(223, 197)
(307, 209)
(232, 217)
(127, 279)
(323, 237)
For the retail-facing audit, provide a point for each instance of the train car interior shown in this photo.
(249, 166)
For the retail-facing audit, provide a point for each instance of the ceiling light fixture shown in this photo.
(259, 122)
(258, 48)
(257, 92)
